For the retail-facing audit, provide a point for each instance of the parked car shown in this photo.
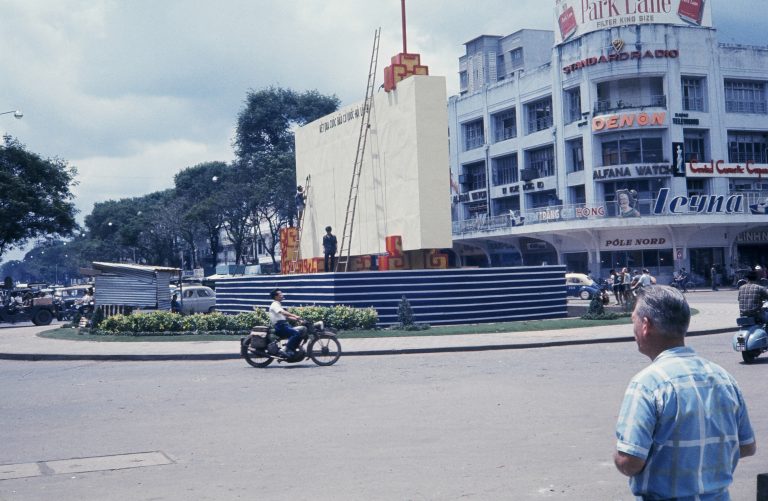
(68, 296)
(581, 286)
(197, 299)
(26, 304)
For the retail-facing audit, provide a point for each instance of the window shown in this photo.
(696, 186)
(203, 293)
(577, 194)
(500, 69)
(575, 151)
(516, 58)
(492, 75)
(539, 115)
(573, 105)
(645, 150)
(744, 146)
(505, 125)
(505, 170)
(693, 94)
(694, 146)
(474, 177)
(473, 135)
(506, 204)
(745, 97)
(463, 80)
(542, 160)
(543, 199)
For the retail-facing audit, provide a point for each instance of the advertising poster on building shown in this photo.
(574, 18)
(678, 159)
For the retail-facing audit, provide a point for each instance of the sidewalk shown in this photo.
(717, 314)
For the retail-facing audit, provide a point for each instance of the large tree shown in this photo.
(35, 196)
(264, 145)
(201, 202)
(265, 125)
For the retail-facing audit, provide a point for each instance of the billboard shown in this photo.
(574, 18)
(404, 183)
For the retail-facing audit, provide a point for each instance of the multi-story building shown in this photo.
(620, 139)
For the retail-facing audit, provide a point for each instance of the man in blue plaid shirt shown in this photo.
(683, 424)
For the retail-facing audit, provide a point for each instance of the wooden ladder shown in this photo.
(365, 124)
(293, 264)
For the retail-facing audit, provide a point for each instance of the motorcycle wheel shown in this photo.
(255, 358)
(324, 350)
(749, 356)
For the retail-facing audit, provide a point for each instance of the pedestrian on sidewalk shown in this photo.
(683, 424)
(713, 275)
(616, 280)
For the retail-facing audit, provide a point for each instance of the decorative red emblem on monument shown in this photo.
(404, 64)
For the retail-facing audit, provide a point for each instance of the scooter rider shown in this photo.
(278, 317)
(751, 298)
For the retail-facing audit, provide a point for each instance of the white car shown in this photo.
(197, 299)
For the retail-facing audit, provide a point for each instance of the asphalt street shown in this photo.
(526, 424)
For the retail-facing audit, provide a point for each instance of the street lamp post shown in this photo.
(16, 113)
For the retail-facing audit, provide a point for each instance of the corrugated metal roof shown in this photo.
(129, 266)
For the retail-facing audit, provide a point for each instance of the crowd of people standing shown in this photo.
(625, 284)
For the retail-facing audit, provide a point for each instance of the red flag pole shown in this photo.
(405, 44)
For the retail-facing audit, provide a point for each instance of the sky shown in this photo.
(133, 91)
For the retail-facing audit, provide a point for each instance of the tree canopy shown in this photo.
(35, 196)
(250, 200)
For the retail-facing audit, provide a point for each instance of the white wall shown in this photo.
(404, 184)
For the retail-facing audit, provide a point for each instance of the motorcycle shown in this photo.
(751, 339)
(318, 343)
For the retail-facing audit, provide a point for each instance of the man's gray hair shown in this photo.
(666, 308)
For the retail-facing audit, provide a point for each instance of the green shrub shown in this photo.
(405, 313)
(339, 317)
(167, 323)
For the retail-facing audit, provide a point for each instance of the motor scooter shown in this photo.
(752, 338)
(318, 343)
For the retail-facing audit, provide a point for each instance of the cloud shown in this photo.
(149, 87)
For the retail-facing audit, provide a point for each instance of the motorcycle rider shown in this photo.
(278, 317)
(751, 298)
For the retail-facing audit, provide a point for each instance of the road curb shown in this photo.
(42, 357)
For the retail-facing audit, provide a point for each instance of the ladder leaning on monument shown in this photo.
(365, 124)
(293, 264)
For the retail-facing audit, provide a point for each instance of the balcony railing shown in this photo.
(607, 105)
(693, 103)
(577, 212)
(504, 133)
(473, 142)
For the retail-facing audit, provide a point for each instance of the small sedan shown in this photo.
(197, 299)
(581, 286)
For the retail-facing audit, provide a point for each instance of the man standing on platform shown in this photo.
(329, 249)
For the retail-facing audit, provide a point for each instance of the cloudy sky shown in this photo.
(132, 91)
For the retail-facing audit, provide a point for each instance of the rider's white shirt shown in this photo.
(275, 312)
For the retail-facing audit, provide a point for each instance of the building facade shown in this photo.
(632, 140)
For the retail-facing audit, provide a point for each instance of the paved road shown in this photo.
(718, 311)
(530, 424)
